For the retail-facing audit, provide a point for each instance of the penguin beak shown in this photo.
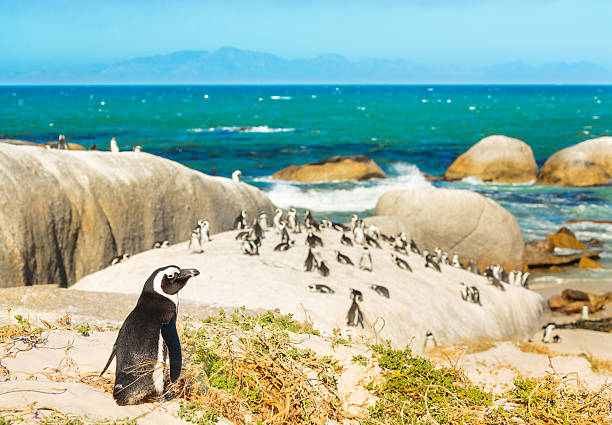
(187, 273)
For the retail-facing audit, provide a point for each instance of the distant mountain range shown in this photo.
(231, 65)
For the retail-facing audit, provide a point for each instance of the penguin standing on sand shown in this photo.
(195, 241)
(430, 341)
(354, 316)
(61, 144)
(365, 262)
(204, 226)
(465, 291)
(430, 261)
(148, 337)
(240, 221)
(263, 221)
(258, 231)
(310, 264)
(284, 233)
(475, 295)
(313, 240)
(343, 259)
(119, 259)
(322, 268)
(250, 247)
(548, 328)
(293, 222)
(276, 221)
(114, 147)
(455, 261)
(472, 267)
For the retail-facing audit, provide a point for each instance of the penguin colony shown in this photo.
(287, 226)
(113, 145)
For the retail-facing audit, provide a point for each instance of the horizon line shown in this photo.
(330, 83)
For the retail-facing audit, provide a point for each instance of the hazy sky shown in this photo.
(37, 33)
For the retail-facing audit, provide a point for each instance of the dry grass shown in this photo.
(534, 347)
(598, 365)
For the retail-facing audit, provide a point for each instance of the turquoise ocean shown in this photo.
(405, 129)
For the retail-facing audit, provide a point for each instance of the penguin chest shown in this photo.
(160, 366)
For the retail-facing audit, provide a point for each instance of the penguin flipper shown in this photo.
(110, 359)
(171, 338)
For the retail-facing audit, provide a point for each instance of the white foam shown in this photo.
(280, 97)
(234, 129)
(361, 196)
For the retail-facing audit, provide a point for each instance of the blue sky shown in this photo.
(460, 32)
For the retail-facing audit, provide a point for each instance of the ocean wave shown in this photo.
(358, 197)
(474, 181)
(281, 97)
(255, 129)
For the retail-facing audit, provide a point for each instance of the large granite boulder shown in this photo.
(336, 168)
(586, 164)
(66, 214)
(496, 159)
(457, 221)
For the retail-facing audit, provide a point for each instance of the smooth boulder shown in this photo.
(66, 214)
(497, 159)
(586, 164)
(457, 221)
(336, 168)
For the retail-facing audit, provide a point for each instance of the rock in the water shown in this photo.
(587, 263)
(565, 238)
(66, 214)
(586, 164)
(556, 302)
(496, 159)
(458, 221)
(336, 168)
(574, 295)
(534, 257)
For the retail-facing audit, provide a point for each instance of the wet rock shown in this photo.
(556, 302)
(575, 295)
(336, 168)
(587, 263)
(565, 238)
(496, 159)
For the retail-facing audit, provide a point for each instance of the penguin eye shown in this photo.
(170, 276)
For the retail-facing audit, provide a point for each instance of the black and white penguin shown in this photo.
(250, 247)
(373, 231)
(148, 338)
(204, 226)
(241, 222)
(365, 262)
(402, 264)
(525, 280)
(284, 246)
(245, 234)
(371, 241)
(472, 267)
(236, 176)
(548, 328)
(263, 221)
(137, 148)
(293, 222)
(310, 221)
(430, 341)
(387, 238)
(322, 268)
(160, 244)
(258, 231)
(310, 264)
(556, 339)
(437, 254)
(465, 292)
(354, 316)
(343, 259)
(61, 144)
(276, 221)
(114, 147)
(195, 243)
(381, 290)
(430, 261)
(339, 227)
(325, 223)
(345, 240)
(323, 289)
(398, 247)
(284, 233)
(119, 259)
(313, 240)
(495, 282)
(455, 262)
(358, 234)
(475, 295)
(444, 259)
(414, 248)
(354, 221)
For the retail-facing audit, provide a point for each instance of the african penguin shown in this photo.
(258, 231)
(496, 282)
(292, 221)
(402, 264)
(475, 295)
(323, 269)
(365, 262)
(284, 233)
(119, 259)
(250, 247)
(195, 242)
(323, 289)
(137, 148)
(148, 337)
(430, 341)
(465, 291)
(284, 246)
(381, 290)
(263, 221)
(114, 147)
(354, 316)
(236, 176)
(339, 227)
(345, 240)
(430, 261)
(276, 221)
(240, 221)
(455, 261)
(359, 235)
(548, 328)
(61, 144)
(472, 267)
(313, 240)
(343, 259)
(204, 226)
(160, 244)
(310, 264)
(371, 241)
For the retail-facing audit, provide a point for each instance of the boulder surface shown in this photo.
(496, 159)
(586, 164)
(66, 214)
(457, 221)
(336, 168)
